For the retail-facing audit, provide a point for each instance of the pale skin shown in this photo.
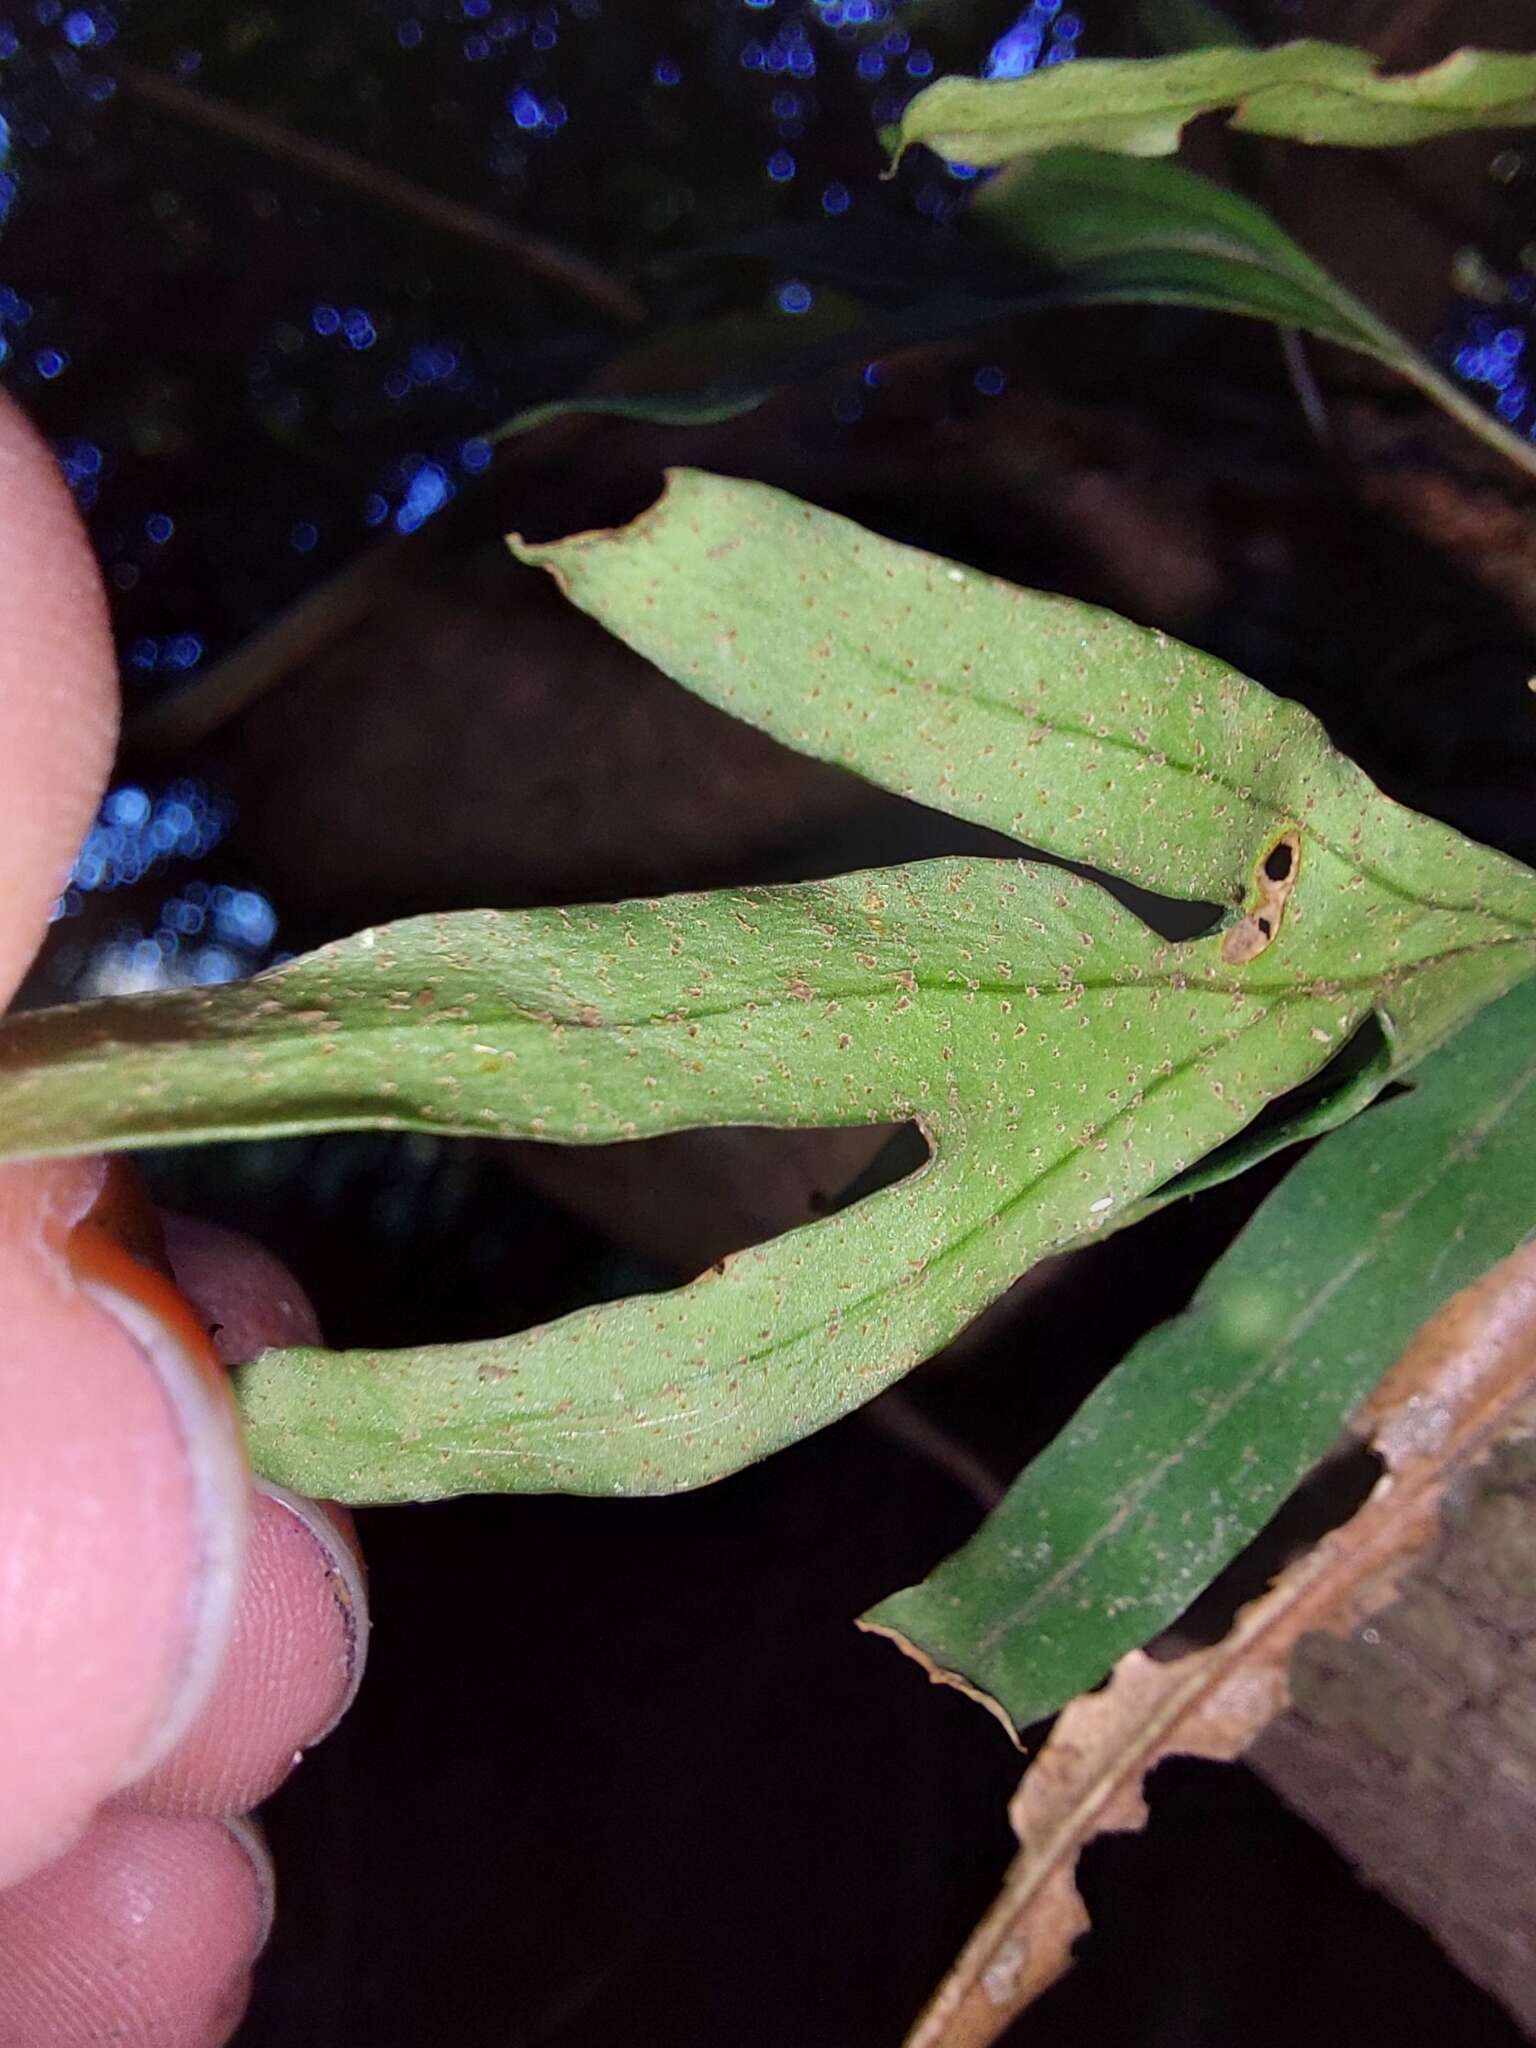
(171, 1637)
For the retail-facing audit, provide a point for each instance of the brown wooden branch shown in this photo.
(1412, 1745)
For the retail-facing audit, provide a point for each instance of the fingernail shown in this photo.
(347, 1584)
(249, 1836)
(166, 1330)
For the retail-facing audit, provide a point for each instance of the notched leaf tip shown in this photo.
(537, 553)
(939, 1676)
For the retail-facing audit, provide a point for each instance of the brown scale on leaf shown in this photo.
(1275, 878)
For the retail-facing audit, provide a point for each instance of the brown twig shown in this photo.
(897, 1416)
(188, 716)
(546, 259)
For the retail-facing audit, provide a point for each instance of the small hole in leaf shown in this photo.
(1277, 862)
(1264, 925)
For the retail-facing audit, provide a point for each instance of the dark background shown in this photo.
(624, 1772)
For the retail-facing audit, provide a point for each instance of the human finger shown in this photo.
(296, 1655)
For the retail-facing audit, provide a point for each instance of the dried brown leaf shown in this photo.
(1456, 1389)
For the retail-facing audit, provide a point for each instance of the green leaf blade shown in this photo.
(1047, 1114)
(1188, 1448)
(1308, 91)
(1062, 1061)
(1088, 209)
(1343, 107)
(819, 1003)
(1062, 1065)
(1121, 230)
(1063, 725)
(935, 681)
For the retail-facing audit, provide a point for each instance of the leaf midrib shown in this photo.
(1313, 988)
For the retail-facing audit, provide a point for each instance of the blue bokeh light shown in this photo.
(85, 28)
(428, 489)
(182, 651)
(1041, 35)
(81, 461)
(135, 831)
(1491, 354)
